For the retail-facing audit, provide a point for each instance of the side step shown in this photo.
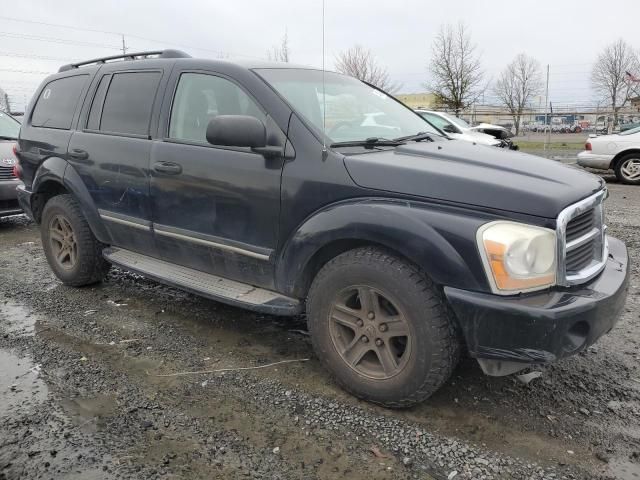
(204, 284)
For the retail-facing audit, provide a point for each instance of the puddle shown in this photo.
(17, 319)
(20, 386)
(624, 470)
(89, 411)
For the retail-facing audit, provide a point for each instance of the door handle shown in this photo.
(78, 154)
(167, 167)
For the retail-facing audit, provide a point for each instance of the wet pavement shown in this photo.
(88, 390)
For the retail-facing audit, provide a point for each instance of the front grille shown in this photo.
(581, 239)
(6, 173)
(580, 225)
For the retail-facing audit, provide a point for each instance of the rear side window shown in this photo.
(128, 103)
(201, 97)
(93, 123)
(57, 102)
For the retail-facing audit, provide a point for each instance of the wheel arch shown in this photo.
(439, 241)
(56, 177)
(619, 156)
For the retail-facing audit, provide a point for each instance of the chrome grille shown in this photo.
(6, 173)
(582, 248)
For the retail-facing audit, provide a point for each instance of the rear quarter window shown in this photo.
(57, 102)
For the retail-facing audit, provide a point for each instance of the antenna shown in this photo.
(324, 98)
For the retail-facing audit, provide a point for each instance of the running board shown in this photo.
(204, 284)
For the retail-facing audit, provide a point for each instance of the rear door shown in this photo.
(111, 149)
(215, 209)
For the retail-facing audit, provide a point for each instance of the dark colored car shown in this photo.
(9, 128)
(286, 190)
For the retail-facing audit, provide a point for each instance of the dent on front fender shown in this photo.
(439, 239)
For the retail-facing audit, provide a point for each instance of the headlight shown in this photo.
(517, 257)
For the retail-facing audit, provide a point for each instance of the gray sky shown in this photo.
(565, 34)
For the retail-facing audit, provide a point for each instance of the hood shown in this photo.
(474, 136)
(462, 172)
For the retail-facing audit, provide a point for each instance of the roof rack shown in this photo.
(127, 56)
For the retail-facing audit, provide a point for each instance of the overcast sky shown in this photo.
(567, 35)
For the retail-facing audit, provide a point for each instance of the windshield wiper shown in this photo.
(5, 137)
(416, 138)
(369, 143)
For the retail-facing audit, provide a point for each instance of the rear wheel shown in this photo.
(380, 327)
(628, 169)
(73, 253)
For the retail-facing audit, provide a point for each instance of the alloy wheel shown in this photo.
(63, 242)
(369, 332)
(630, 169)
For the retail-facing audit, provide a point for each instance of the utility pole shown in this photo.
(124, 46)
(546, 112)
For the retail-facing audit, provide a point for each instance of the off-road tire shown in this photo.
(90, 266)
(436, 347)
(618, 169)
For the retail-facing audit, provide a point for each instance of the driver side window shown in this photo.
(201, 97)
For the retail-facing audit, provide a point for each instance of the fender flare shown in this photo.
(55, 169)
(439, 239)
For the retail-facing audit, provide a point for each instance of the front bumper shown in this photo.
(591, 160)
(543, 327)
(8, 198)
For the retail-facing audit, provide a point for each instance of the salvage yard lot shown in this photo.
(81, 394)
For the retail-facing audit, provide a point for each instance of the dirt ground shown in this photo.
(82, 394)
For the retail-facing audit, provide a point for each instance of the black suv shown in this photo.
(287, 190)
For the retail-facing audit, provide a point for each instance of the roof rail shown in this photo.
(128, 56)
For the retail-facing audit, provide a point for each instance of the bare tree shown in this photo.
(518, 83)
(609, 74)
(280, 53)
(360, 63)
(455, 68)
(4, 102)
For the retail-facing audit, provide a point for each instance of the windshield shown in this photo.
(354, 110)
(458, 121)
(631, 131)
(8, 126)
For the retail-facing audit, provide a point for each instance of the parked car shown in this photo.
(9, 129)
(457, 128)
(629, 126)
(221, 179)
(498, 132)
(620, 152)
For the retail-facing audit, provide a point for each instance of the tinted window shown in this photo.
(128, 103)
(57, 102)
(93, 123)
(199, 98)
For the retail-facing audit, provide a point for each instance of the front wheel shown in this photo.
(73, 253)
(379, 326)
(628, 169)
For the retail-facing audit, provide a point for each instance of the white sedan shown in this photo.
(620, 151)
(457, 128)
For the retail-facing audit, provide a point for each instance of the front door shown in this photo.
(215, 209)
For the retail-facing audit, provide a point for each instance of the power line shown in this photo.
(56, 40)
(120, 34)
(36, 57)
(39, 72)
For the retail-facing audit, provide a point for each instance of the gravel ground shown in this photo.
(82, 393)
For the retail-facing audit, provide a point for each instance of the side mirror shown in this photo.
(237, 131)
(450, 129)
